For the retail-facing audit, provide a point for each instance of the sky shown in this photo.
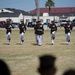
(28, 5)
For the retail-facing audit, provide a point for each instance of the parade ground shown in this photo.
(24, 59)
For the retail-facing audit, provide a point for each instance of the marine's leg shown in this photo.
(22, 37)
(40, 40)
(8, 38)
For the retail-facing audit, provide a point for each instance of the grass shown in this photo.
(23, 59)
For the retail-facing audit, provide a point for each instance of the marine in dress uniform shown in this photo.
(53, 28)
(39, 31)
(22, 28)
(8, 30)
(68, 28)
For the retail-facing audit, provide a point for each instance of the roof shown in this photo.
(9, 14)
(61, 10)
(15, 14)
(18, 11)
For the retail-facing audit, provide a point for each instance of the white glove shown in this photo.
(8, 33)
(53, 32)
(69, 34)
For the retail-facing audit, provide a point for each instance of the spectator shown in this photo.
(69, 72)
(47, 65)
(4, 69)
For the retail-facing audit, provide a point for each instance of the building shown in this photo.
(14, 14)
(56, 14)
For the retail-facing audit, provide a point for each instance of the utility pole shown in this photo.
(37, 8)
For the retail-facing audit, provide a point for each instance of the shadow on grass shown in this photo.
(74, 43)
(49, 44)
(63, 43)
(6, 44)
(34, 44)
(18, 44)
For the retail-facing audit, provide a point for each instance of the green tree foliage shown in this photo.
(49, 4)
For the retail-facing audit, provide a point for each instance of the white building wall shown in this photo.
(21, 17)
(29, 18)
(45, 18)
(14, 19)
(72, 17)
(57, 18)
(2, 18)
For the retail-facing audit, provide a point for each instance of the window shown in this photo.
(47, 20)
(27, 20)
(41, 20)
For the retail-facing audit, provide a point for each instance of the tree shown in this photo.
(49, 4)
(36, 4)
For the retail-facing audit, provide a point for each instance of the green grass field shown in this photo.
(23, 59)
